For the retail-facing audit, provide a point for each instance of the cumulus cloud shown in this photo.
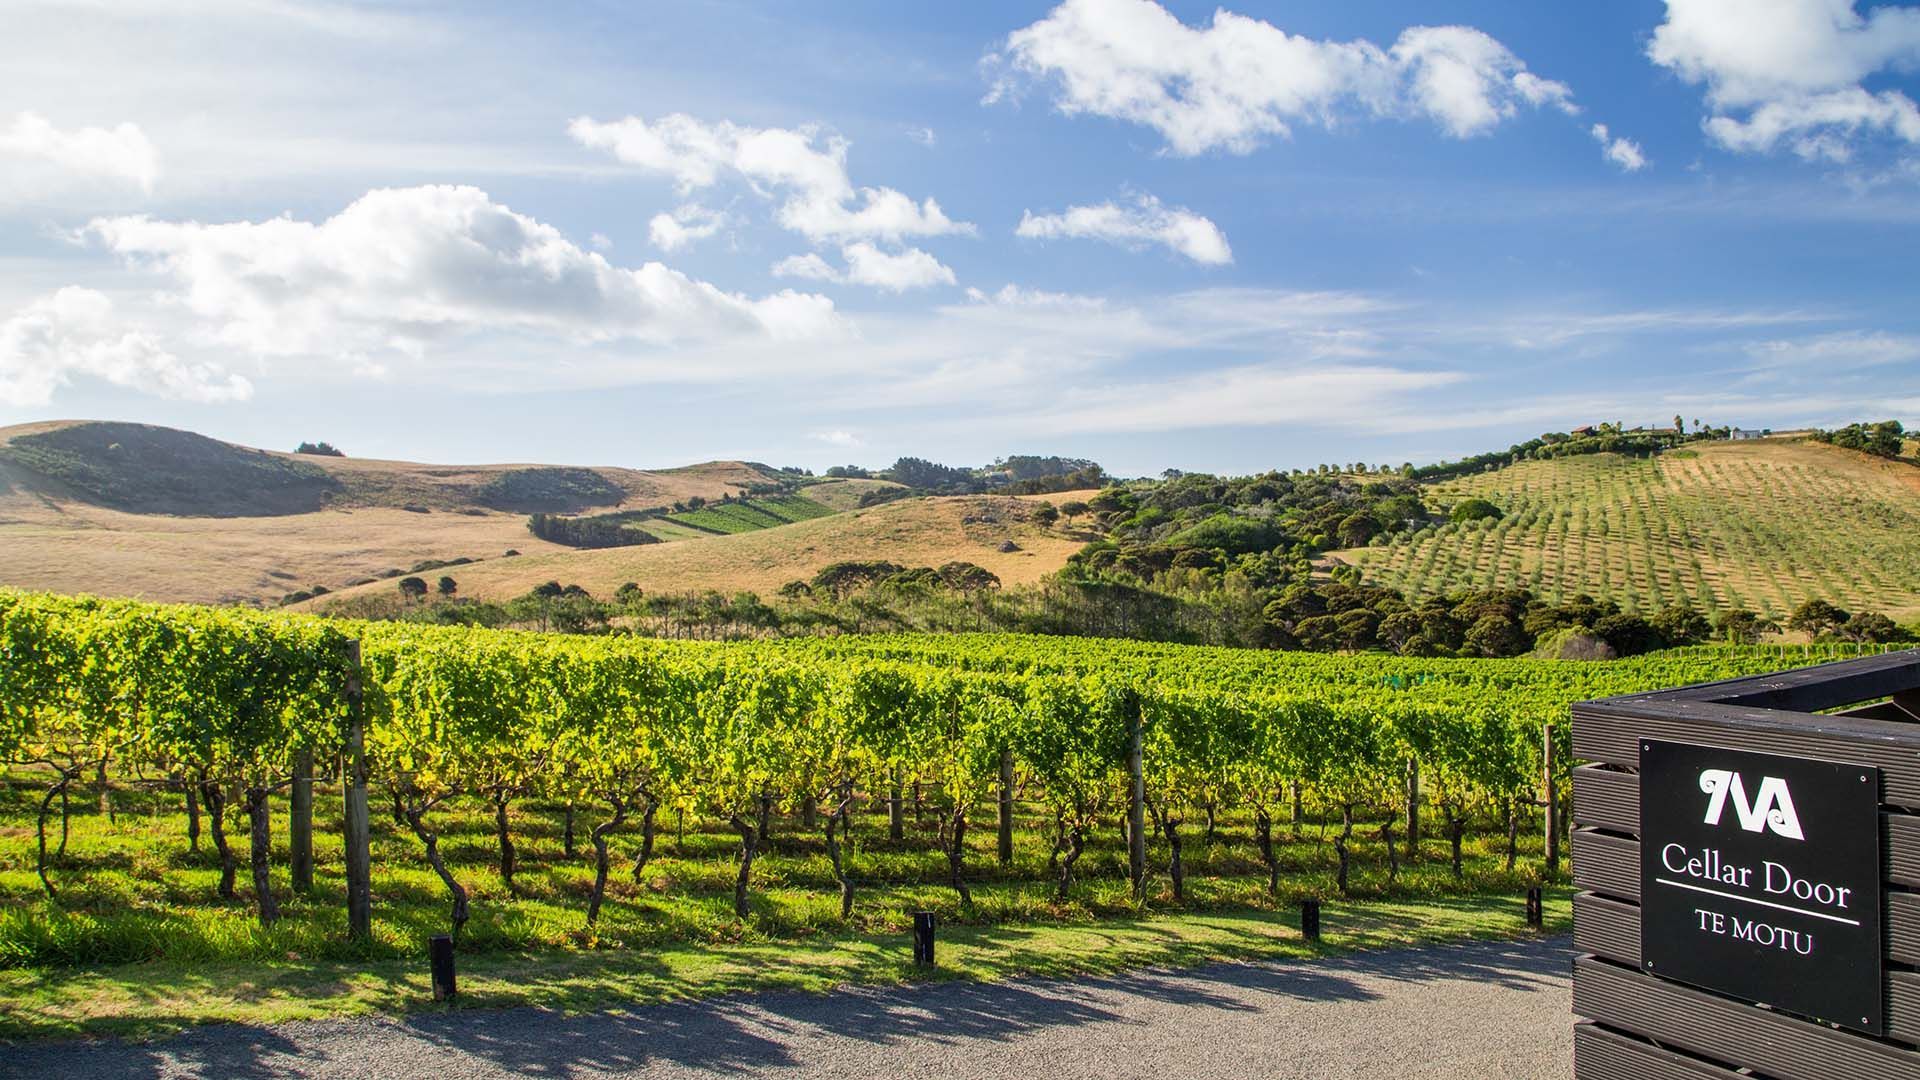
(844, 439)
(1622, 152)
(401, 268)
(75, 331)
(869, 265)
(1237, 81)
(1144, 221)
(120, 153)
(807, 168)
(1790, 72)
(685, 225)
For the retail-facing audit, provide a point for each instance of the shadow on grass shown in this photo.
(748, 1033)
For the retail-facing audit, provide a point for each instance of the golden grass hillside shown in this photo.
(924, 531)
(1762, 525)
(355, 520)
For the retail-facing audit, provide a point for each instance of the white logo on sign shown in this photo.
(1771, 808)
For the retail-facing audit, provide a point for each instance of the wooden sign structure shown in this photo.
(1748, 855)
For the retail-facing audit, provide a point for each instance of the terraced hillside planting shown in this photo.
(747, 515)
(1763, 525)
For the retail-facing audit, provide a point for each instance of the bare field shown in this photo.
(75, 548)
(913, 532)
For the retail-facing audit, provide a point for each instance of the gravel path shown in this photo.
(1491, 1009)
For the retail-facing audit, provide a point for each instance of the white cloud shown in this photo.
(401, 268)
(120, 153)
(1237, 81)
(601, 242)
(821, 201)
(1795, 67)
(1841, 350)
(1146, 221)
(1254, 395)
(1621, 151)
(75, 332)
(844, 439)
(687, 224)
(868, 265)
(922, 135)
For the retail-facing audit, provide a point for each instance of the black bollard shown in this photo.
(440, 956)
(923, 939)
(1310, 920)
(1535, 917)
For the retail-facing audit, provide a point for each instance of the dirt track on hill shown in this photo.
(1489, 1009)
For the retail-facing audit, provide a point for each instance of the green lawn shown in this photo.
(138, 941)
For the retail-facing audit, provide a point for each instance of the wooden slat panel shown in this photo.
(1610, 732)
(1727, 1030)
(1600, 1054)
(1606, 799)
(1607, 927)
(1606, 863)
(1903, 927)
(1902, 839)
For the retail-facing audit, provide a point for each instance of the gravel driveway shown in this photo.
(1489, 1009)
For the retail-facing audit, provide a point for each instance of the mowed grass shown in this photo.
(1762, 525)
(138, 942)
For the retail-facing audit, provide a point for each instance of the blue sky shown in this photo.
(1159, 236)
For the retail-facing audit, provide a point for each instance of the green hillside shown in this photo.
(1762, 525)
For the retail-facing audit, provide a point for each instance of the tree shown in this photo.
(1046, 514)
(1873, 627)
(1742, 627)
(1073, 508)
(447, 586)
(412, 588)
(320, 448)
(1816, 617)
(1474, 510)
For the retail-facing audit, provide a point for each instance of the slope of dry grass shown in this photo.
(912, 532)
(53, 537)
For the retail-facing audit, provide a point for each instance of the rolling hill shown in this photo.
(926, 531)
(1762, 524)
(137, 510)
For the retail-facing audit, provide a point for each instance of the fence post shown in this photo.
(1413, 808)
(300, 822)
(440, 960)
(1006, 807)
(1553, 801)
(923, 939)
(359, 855)
(896, 828)
(1310, 920)
(1136, 797)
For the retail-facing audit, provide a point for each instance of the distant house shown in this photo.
(1582, 431)
(1745, 433)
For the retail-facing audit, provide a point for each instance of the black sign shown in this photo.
(1760, 879)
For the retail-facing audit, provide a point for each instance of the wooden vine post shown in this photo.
(1413, 809)
(300, 822)
(1006, 807)
(1552, 800)
(359, 855)
(1136, 797)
